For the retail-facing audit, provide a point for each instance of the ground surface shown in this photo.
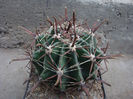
(11, 75)
(120, 76)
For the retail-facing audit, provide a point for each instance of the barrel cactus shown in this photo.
(67, 55)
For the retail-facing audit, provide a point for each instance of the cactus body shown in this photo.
(66, 56)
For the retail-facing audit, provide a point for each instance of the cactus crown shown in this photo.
(67, 55)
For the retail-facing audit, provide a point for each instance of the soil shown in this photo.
(44, 92)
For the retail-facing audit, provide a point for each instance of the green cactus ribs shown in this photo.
(67, 55)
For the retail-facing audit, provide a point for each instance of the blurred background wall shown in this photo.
(107, 1)
(31, 13)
